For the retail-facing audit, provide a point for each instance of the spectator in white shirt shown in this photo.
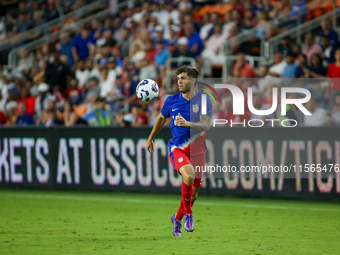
(82, 74)
(108, 84)
(279, 66)
(319, 115)
(207, 26)
(211, 55)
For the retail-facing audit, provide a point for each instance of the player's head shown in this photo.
(186, 77)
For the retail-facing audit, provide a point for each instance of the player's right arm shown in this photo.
(160, 122)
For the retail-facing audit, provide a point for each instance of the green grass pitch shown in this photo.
(50, 222)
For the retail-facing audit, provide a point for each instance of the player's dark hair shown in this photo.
(192, 72)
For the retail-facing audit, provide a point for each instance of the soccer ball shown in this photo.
(147, 90)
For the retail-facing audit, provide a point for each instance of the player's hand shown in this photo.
(181, 122)
(149, 145)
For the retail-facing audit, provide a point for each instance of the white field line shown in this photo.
(154, 201)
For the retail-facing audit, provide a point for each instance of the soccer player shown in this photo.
(190, 112)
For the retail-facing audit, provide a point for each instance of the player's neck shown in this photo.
(188, 95)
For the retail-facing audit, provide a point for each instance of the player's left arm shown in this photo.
(202, 125)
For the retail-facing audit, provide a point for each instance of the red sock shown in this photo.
(186, 197)
(180, 212)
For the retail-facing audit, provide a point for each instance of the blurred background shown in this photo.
(77, 63)
(61, 60)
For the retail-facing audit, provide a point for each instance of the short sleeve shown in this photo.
(209, 107)
(165, 110)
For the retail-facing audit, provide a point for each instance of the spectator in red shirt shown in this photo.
(242, 69)
(150, 50)
(28, 99)
(3, 119)
(140, 117)
(334, 71)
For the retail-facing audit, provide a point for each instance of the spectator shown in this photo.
(108, 84)
(93, 93)
(194, 41)
(327, 30)
(298, 14)
(281, 8)
(206, 27)
(159, 31)
(299, 72)
(52, 12)
(57, 74)
(11, 113)
(147, 70)
(296, 49)
(183, 51)
(228, 24)
(316, 69)
(52, 118)
(210, 55)
(25, 62)
(335, 114)
(74, 93)
(319, 116)
(328, 50)
(80, 44)
(28, 100)
(150, 50)
(286, 46)
(114, 69)
(3, 119)
(290, 67)
(66, 48)
(334, 71)
(2, 102)
(162, 54)
(125, 42)
(40, 73)
(277, 69)
(69, 117)
(23, 118)
(311, 47)
(248, 21)
(140, 118)
(242, 69)
(100, 115)
(43, 98)
(81, 73)
(155, 112)
(173, 35)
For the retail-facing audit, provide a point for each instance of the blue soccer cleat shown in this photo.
(177, 226)
(189, 222)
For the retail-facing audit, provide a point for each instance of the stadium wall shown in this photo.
(115, 159)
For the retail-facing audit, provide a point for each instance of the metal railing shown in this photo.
(47, 27)
(271, 45)
(279, 21)
(13, 56)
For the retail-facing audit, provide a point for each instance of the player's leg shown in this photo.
(198, 163)
(194, 195)
(178, 158)
(188, 173)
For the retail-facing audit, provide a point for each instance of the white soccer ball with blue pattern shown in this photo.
(147, 90)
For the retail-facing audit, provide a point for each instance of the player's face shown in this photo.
(183, 81)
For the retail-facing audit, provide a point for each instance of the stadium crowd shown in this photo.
(90, 78)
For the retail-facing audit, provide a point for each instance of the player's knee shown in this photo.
(188, 179)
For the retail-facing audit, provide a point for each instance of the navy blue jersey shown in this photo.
(191, 110)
